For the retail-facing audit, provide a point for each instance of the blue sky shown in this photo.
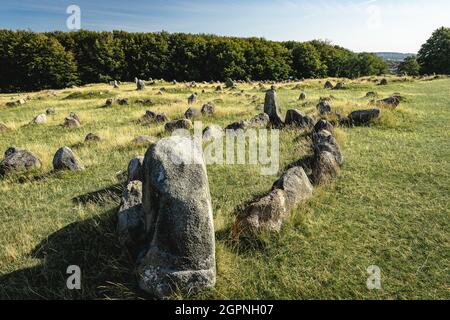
(360, 25)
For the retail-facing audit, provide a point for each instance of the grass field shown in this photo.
(390, 205)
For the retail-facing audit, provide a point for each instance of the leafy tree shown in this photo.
(409, 66)
(306, 61)
(434, 56)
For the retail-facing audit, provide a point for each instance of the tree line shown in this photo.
(35, 61)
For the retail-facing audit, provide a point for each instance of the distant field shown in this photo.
(389, 206)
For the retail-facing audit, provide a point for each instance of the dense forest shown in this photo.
(34, 61)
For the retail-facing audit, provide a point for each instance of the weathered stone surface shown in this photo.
(40, 118)
(323, 125)
(208, 109)
(151, 116)
(178, 124)
(339, 86)
(130, 226)
(65, 159)
(192, 113)
(75, 116)
(328, 85)
(212, 132)
(295, 118)
(295, 183)
(135, 169)
(70, 122)
(229, 83)
(302, 96)
(393, 101)
(192, 98)
(271, 108)
(90, 137)
(363, 117)
(325, 168)
(261, 120)
(17, 160)
(269, 212)
(140, 84)
(122, 101)
(180, 245)
(324, 141)
(323, 107)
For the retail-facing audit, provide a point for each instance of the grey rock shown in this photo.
(272, 109)
(17, 160)
(229, 83)
(178, 124)
(109, 102)
(371, 94)
(324, 141)
(122, 101)
(208, 109)
(192, 113)
(130, 225)
(302, 96)
(383, 82)
(295, 183)
(91, 137)
(323, 107)
(393, 101)
(295, 118)
(328, 85)
(65, 159)
(140, 84)
(192, 98)
(364, 117)
(180, 253)
(135, 169)
(339, 86)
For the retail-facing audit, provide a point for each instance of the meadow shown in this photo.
(389, 206)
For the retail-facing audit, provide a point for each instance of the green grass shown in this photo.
(389, 206)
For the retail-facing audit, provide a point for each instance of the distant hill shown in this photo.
(394, 56)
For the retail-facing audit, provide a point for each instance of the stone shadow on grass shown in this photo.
(92, 244)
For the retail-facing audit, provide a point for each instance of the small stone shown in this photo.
(208, 109)
(92, 137)
(17, 160)
(178, 124)
(212, 132)
(323, 107)
(192, 113)
(70, 122)
(142, 140)
(328, 85)
(39, 119)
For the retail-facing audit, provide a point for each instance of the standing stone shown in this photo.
(229, 83)
(208, 109)
(383, 82)
(192, 98)
(65, 159)
(302, 96)
(70, 122)
(140, 84)
(17, 160)
(328, 85)
(135, 169)
(130, 224)
(323, 125)
(178, 217)
(271, 108)
(116, 84)
(109, 102)
(339, 86)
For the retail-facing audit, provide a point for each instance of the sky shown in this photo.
(359, 25)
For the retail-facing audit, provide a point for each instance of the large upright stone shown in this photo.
(180, 247)
(140, 84)
(271, 108)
